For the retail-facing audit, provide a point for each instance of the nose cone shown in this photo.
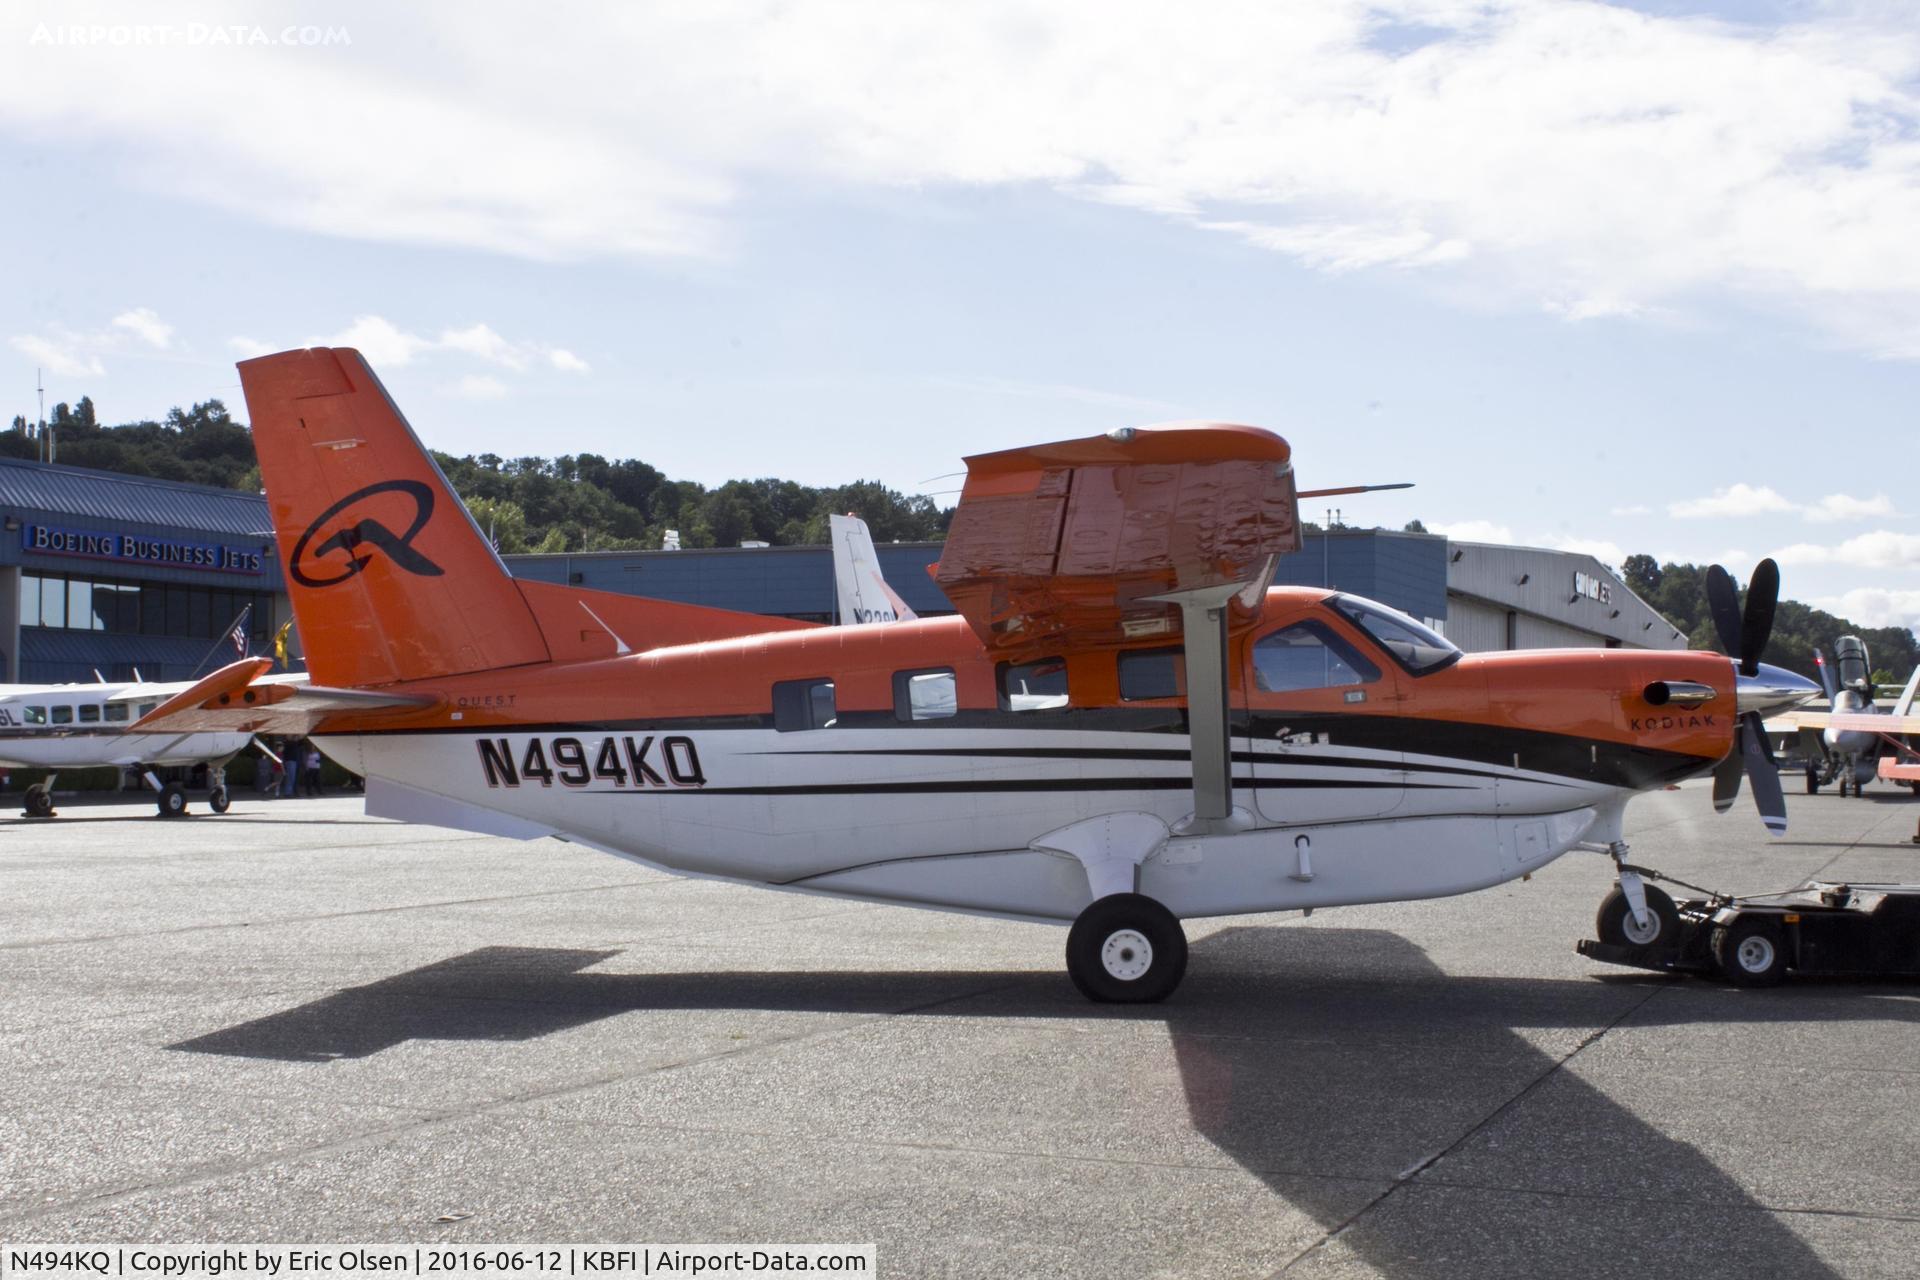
(1772, 690)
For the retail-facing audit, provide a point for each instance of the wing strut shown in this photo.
(1203, 620)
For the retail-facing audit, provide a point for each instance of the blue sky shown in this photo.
(1621, 280)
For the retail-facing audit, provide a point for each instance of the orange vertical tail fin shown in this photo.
(390, 578)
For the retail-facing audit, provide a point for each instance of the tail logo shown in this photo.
(311, 565)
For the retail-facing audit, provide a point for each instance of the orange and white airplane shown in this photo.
(1123, 727)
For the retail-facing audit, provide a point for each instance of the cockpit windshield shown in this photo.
(1417, 648)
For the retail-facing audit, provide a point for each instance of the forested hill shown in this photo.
(573, 503)
(584, 502)
(1680, 592)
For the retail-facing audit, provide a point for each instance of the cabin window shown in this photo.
(1308, 655)
(117, 711)
(1150, 673)
(1415, 647)
(146, 708)
(34, 715)
(1033, 686)
(803, 704)
(927, 694)
(63, 715)
(90, 714)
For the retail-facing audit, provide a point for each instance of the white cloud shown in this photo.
(1881, 549)
(1583, 158)
(567, 362)
(1840, 506)
(1875, 607)
(1740, 500)
(386, 344)
(149, 328)
(477, 386)
(64, 354)
(1474, 531)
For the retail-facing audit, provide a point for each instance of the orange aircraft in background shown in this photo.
(1124, 725)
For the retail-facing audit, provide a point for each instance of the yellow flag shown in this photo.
(280, 643)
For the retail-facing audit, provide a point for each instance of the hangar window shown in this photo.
(117, 711)
(803, 704)
(927, 694)
(1033, 686)
(1150, 673)
(34, 715)
(90, 714)
(63, 715)
(1308, 655)
(128, 608)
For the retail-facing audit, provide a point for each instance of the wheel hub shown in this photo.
(1636, 933)
(1126, 955)
(1754, 954)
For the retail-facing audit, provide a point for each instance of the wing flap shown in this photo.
(1074, 545)
(235, 699)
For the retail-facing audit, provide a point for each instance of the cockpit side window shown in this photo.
(1308, 655)
(1419, 649)
(34, 715)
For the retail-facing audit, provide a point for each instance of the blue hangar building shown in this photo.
(102, 575)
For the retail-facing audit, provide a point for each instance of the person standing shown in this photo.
(313, 770)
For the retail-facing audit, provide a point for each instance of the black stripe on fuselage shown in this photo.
(1507, 750)
(1174, 783)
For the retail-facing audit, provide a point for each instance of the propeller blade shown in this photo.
(1827, 679)
(1723, 603)
(1764, 775)
(1756, 625)
(1726, 774)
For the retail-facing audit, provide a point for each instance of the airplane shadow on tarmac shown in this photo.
(1319, 1059)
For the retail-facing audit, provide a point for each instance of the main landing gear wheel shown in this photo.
(1813, 780)
(173, 800)
(1126, 949)
(1751, 953)
(1614, 924)
(1843, 784)
(218, 800)
(39, 803)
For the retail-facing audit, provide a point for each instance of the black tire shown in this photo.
(218, 800)
(39, 804)
(173, 800)
(1751, 952)
(1126, 949)
(1813, 780)
(1916, 787)
(1613, 923)
(1844, 775)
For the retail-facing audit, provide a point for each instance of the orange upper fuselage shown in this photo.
(1567, 696)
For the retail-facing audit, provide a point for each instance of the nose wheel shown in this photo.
(1126, 949)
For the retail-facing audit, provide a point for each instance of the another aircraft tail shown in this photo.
(390, 578)
(862, 592)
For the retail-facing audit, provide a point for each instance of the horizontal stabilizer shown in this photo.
(237, 699)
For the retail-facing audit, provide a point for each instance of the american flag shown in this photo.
(239, 633)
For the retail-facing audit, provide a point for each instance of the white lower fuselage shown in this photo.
(948, 817)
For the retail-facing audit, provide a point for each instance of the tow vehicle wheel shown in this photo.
(1916, 787)
(1813, 780)
(1614, 924)
(1751, 953)
(1843, 784)
(39, 804)
(173, 800)
(218, 800)
(1126, 949)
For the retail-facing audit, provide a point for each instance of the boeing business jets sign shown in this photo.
(133, 548)
(1593, 588)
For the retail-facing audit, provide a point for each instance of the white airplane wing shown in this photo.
(237, 699)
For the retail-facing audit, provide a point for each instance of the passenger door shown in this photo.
(1322, 726)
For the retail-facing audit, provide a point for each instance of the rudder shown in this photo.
(390, 578)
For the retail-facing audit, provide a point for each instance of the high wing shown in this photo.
(235, 699)
(1094, 542)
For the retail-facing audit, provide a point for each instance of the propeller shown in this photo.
(1743, 634)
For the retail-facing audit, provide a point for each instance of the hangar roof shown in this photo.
(57, 490)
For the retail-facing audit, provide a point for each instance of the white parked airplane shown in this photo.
(1131, 728)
